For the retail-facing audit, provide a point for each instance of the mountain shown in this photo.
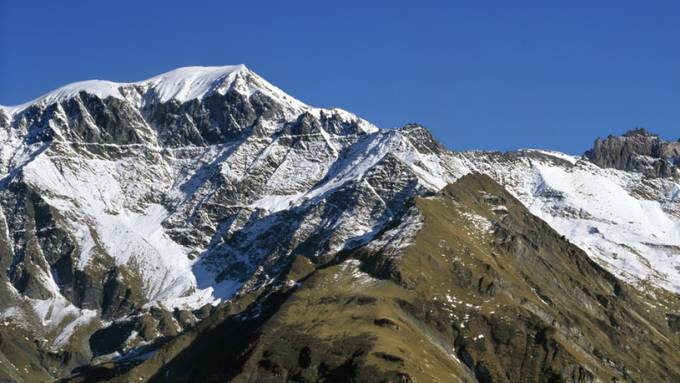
(478, 294)
(146, 225)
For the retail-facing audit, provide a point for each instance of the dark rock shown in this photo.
(148, 327)
(638, 151)
(185, 318)
(389, 357)
(204, 311)
(384, 322)
(111, 338)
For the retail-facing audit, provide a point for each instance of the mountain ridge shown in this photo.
(145, 214)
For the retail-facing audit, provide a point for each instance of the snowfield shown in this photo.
(600, 210)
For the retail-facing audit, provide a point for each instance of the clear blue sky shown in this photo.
(480, 74)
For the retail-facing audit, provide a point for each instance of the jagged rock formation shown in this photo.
(637, 150)
(131, 213)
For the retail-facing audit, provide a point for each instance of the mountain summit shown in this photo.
(180, 85)
(145, 224)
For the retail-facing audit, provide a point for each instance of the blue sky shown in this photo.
(483, 75)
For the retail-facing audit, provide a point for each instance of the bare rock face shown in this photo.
(637, 150)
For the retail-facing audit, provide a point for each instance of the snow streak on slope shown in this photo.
(185, 84)
(432, 169)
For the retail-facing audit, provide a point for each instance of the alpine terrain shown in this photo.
(204, 226)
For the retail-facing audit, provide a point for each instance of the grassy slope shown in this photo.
(547, 312)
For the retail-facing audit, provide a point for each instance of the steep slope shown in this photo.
(469, 286)
(627, 221)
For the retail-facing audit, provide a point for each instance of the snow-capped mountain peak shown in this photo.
(194, 82)
(181, 85)
(107, 159)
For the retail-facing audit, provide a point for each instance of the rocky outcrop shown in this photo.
(637, 150)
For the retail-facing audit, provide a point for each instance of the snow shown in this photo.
(565, 157)
(359, 278)
(12, 312)
(480, 223)
(601, 211)
(100, 88)
(635, 236)
(344, 115)
(95, 194)
(54, 314)
(397, 239)
(275, 203)
(140, 238)
(190, 83)
(84, 318)
(367, 153)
